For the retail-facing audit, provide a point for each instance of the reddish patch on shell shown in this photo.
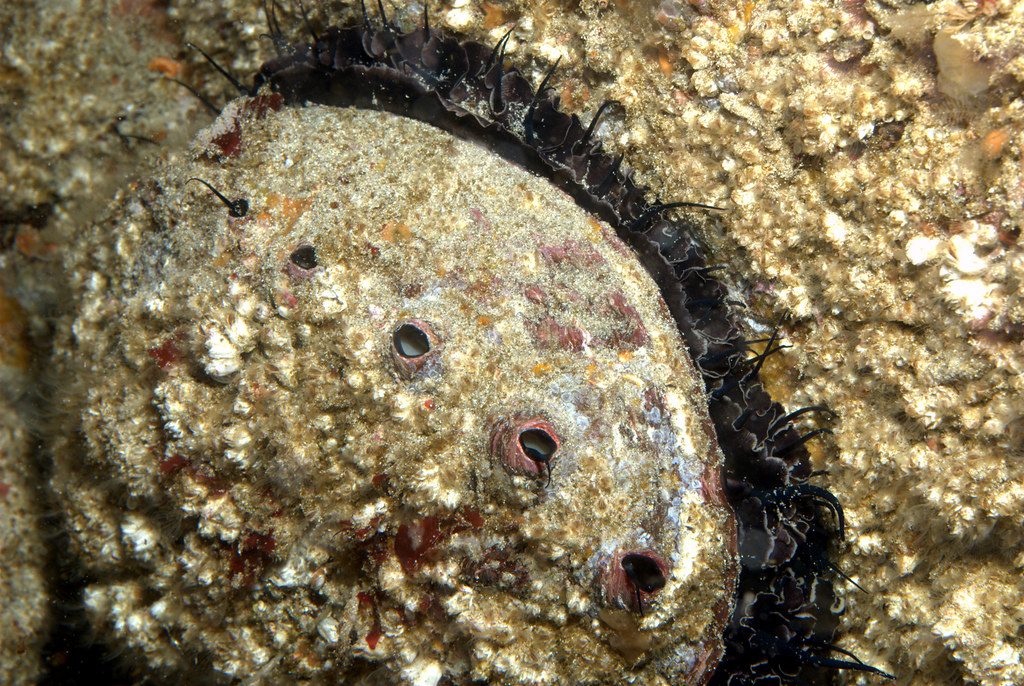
(498, 566)
(287, 298)
(169, 466)
(205, 476)
(535, 294)
(507, 449)
(653, 398)
(473, 517)
(261, 104)
(571, 252)
(619, 590)
(230, 142)
(611, 239)
(550, 334)
(251, 555)
(427, 604)
(5, 488)
(414, 542)
(29, 242)
(1008, 236)
(368, 603)
(634, 334)
(202, 474)
(410, 366)
(711, 486)
(299, 274)
(363, 534)
(486, 289)
(165, 354)
(375, 549)
(479, 218)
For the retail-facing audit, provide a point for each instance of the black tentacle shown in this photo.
(224, 72)
(583, 142)
(657, 209)
(237, 208)
(528, 120)
(309, 25)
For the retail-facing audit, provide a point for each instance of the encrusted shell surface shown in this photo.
(252, 476)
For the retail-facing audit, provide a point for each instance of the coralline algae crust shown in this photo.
(410, 418)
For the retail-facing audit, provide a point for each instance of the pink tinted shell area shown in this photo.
(618, 589)
(506, 447)
(410, 366)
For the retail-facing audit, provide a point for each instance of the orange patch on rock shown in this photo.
(166, 66)
(286, 208)
(395, 230)
(664, 63)
(30, 243)
(494, 15)
(993, 143)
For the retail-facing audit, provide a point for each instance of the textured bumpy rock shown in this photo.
(303, 444)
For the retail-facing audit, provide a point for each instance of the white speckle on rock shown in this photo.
(835, 227)
(921, 249)
(223, 358)
(139, 535)
(965, 258)
(328, 628)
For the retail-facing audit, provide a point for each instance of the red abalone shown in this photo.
(407, 419)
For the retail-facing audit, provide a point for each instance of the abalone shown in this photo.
(407, 419)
